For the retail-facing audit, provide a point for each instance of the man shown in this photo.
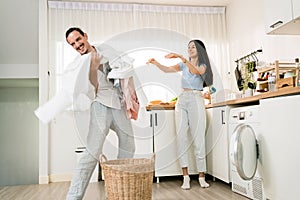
(90, 70)
(107, 112)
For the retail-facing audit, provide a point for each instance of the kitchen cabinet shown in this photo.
(281, 15)
(165, 145)
(280, 146)
(143, 135)
(217, 143)
(277, 13)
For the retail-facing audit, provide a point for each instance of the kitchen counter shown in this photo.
(245, 100)
(160, 107)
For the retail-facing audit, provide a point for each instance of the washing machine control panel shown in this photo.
(243, 116)
(239, 116)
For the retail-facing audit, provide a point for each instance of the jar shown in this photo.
(272, 83)
(297, 71)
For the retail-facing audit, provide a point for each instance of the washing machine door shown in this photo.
(244, 153)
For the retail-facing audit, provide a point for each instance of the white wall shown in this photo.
(246, 32)
(19, 38)
(64, 138)
(19, 92)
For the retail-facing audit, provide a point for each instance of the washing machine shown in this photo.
(244, 150)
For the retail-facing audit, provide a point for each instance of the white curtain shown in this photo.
(131, 26)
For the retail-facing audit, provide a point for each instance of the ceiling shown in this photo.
(171, 2)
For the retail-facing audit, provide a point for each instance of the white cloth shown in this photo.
(121, 73)
(107, 94)
(77, 92)
(122, 68)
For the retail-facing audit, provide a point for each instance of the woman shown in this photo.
(190, 109)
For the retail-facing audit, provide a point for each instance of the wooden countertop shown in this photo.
(160, 107)
(241, 101)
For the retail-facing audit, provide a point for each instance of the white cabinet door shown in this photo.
(277, 13)
(280, 146)
(217, 143)
(143, 135)
(296, 9)
(165, 145)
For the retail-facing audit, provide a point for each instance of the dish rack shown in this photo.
(286, 73)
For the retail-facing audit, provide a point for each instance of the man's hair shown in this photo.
(70, 30)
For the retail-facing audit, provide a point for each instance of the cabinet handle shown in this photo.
(222, 116)
(151, 120)
(155, 119)
(276, 24)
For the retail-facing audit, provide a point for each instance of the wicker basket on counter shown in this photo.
(128, 179)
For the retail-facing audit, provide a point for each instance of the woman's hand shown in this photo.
(175, 55)
(206, 95)
(174, 68)
(152, 61)
(172, 55)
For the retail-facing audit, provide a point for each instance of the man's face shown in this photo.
(79, 42)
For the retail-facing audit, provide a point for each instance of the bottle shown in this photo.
(272, 83)
(297, 72)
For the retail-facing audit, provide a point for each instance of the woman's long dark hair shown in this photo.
(203, 59)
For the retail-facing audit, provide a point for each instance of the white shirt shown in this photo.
(106, 93)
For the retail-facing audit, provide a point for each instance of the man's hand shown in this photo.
(95, 60)
(94, 66)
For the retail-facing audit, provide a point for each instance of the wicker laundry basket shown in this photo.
(128, 179)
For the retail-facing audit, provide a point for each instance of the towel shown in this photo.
(130, 99)
(77, 93)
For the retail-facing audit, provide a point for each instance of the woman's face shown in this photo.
(192, 50)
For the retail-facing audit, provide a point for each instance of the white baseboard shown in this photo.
(68, 177)
(60, 178)
(44, 180)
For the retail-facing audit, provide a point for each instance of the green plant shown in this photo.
(247, 70)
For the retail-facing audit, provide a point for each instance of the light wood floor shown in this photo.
(167, 189)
